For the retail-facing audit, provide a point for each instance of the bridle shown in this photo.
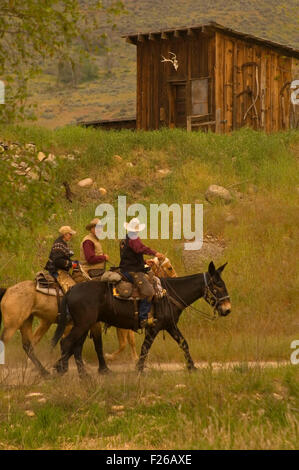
(210, 297)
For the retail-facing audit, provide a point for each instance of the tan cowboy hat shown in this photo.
(93, 223)
(66, 229)
(134, 225)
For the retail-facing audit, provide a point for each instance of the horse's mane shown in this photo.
(181, 278)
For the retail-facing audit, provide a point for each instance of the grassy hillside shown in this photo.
(108, 89)
(259, 229)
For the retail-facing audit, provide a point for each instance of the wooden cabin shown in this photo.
(212, 77)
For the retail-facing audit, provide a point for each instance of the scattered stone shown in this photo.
(30, 413)
(164, 171)
(102, 191)
(34, 394)
(277, 396)
(41, 156)
(32, 175)
(42, 400)
(180, 386)
(14, 146)
(85, 183)
(130, 164)
(217, 193)
(117, 408)
(117, 157)
(30, 147)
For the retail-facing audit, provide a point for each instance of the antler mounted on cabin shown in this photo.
(174, 60)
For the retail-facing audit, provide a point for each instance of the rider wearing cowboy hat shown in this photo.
(92, 257)
(132, 266)
(59, 262)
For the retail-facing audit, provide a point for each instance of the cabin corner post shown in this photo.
(219, 83)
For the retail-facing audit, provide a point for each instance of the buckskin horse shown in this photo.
(91, 302)
(19, 305)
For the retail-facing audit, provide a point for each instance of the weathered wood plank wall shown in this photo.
(251, 86)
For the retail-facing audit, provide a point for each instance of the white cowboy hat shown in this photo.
(134, 225)
(66, 229)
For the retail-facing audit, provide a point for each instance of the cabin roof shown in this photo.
(133, 38)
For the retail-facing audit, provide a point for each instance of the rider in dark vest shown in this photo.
(132, 266)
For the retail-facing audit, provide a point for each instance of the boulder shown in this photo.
(216, 193)
(41, 156)
(102, 191)
(85, 183)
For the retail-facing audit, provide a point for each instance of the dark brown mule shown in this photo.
(91, 302)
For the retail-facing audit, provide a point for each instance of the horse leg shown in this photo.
(67, 348)
(96, 334)
(26, 332)
(150, 335)
(131, 339)
(40, 331)
(179, 338)
(78, 357)
(122, 342)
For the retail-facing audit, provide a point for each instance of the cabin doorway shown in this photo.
(177, 105)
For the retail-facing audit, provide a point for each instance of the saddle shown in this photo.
(123, 289)
(46, 284)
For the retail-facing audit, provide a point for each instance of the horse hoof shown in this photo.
(58, 369)
(105, 371)
(45, 374)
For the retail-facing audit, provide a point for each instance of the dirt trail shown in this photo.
(29, 376)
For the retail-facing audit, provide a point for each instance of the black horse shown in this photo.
(91, 302)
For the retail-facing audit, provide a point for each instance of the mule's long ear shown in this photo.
(212, 268)
(219, 270)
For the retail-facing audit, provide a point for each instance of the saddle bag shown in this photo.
(95, 272)
(124, 289)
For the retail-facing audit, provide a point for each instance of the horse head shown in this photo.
(215, 290)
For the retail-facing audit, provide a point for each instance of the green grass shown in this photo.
(237, 409)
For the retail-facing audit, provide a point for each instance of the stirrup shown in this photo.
(148, 322)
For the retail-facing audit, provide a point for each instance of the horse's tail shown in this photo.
(2, 292)
(62, 322)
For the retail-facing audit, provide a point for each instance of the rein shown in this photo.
(182, 304)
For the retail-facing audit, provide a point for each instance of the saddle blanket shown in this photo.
(45, 284)
(48, 290)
